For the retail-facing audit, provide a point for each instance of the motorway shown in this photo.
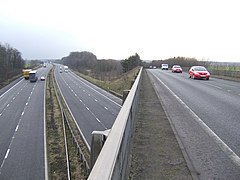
(205, 116)
(22, 129)
(93, 108)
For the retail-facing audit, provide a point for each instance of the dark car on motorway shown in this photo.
(176, 69)
(199, 72)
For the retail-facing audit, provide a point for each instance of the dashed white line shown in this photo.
(95, 100)
(22, 113)
(7, 105)
(26, 103)
(87, 108)
(106, 108)
(17, 128)
(6, 156)
(80, 100)
(98, 120)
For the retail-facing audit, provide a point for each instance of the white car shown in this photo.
(42, 78)
(164, 67)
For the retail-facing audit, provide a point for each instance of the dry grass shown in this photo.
(117, 85)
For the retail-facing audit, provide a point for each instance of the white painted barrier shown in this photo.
(112, 162)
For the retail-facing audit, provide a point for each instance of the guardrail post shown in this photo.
(98, 140)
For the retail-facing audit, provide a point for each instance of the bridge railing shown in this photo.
(112, 162)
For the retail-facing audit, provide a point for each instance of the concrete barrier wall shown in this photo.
(112, 162)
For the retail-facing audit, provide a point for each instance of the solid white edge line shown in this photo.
(11, 88)
(45, 131)
(227, 150)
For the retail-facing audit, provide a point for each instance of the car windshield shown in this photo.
(200, 69)
(176, 66)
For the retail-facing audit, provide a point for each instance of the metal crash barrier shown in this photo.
(112, 162)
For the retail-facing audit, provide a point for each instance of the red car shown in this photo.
(199, 72)
(177, 69)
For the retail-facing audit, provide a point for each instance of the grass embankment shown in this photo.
(117, 85)
(225, 72)
(55, 138)
(8, 81)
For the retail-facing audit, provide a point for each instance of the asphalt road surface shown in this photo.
(206, 118)
(22, 130)
(93, 108)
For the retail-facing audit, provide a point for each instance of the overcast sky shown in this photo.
(117, 29)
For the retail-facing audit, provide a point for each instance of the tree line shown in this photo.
(182, 61)
(11, 62)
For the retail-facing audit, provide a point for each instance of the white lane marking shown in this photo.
(1, 114)
(98, 120)
(89, 95)
(80, 79)
(227, 150)
(14, 98)
(7, 105)
(15, 132)
(26, 103)
(95, 100)
(106, 108)
(17, 128)
(90, 111)
(6, 156)
(10, 88)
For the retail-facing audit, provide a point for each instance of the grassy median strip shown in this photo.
(77, 167)
(56, 147)
(55, 137)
